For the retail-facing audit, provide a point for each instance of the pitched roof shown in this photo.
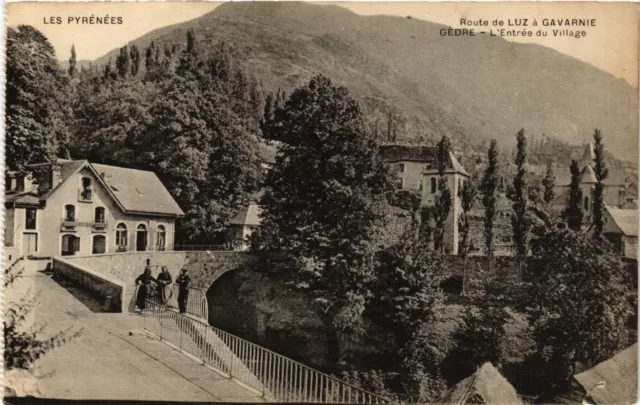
(248, 216)
(25, 198)
(138, 191)
(413, 153)
(614, 381)
(588, 175)
(485, 386)
(408, 153)
(625, 219)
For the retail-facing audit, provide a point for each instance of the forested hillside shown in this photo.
(415, 83)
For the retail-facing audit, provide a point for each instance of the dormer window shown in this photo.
(85, 194)
(20, 183)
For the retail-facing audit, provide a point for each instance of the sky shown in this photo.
(612, 45)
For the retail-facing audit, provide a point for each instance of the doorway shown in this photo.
(141, 238)
(30, 243)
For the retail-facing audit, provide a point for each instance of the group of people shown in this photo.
(163, 282)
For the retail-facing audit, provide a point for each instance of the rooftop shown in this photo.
(625, 219)
(614, 381)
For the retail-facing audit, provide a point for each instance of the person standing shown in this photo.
(184, 282)
(144, 287)
(164, 285)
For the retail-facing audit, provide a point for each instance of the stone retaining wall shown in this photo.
(112, 291)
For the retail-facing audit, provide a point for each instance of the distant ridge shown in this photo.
(470, 88)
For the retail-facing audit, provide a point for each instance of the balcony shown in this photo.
(85, 195)
(69, 224)
(99, 226)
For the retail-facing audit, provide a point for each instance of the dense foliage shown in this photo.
(190, 119)
(579, 301)
(325, 198)
(37, 109)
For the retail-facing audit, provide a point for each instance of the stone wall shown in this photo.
(112, 291)
(204, 267)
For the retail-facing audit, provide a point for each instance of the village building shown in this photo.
(621, 229)
(242, 226)
(415, 168)
(618, 186)
(75, 207)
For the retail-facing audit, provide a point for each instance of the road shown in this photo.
(106, 361)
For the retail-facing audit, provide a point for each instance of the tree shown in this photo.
(325, 198)
(406, 302)
(601, 172)
(467, 197)
(443, 198)
(189, 129)
(123, 62)
(573, 212)
(518, 195)
(488, 189)
(72, 61)
(134, 55)
(579, 301)
(549, 183)
(37, 112)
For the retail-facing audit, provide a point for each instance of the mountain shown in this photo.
(470, 88)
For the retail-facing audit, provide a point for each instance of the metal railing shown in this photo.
(199, 248)
(196, 302)
(278, 378)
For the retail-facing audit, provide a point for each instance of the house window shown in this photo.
(70, 245)
(420, 185)
(400, 167)
(70, 213)
(399, 183)
(85, 191)
(99, 215)
(586, 203)
(161, 238)
(121, 237)
(99, 244)
(434, 185)
(141, 238)
(30, 221)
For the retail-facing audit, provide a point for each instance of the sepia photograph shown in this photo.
(320, 202)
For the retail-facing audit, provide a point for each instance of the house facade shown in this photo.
(415, 168)
(242, 226)
(75, 207)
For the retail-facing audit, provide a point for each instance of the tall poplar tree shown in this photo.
(488, 189)
(72, 61)
(549, 183)
(573, 212)
(517, 194)
(123, 62)
(467, 197)
(443, 198)
(601, 172)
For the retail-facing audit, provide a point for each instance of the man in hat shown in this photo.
(183, 281)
